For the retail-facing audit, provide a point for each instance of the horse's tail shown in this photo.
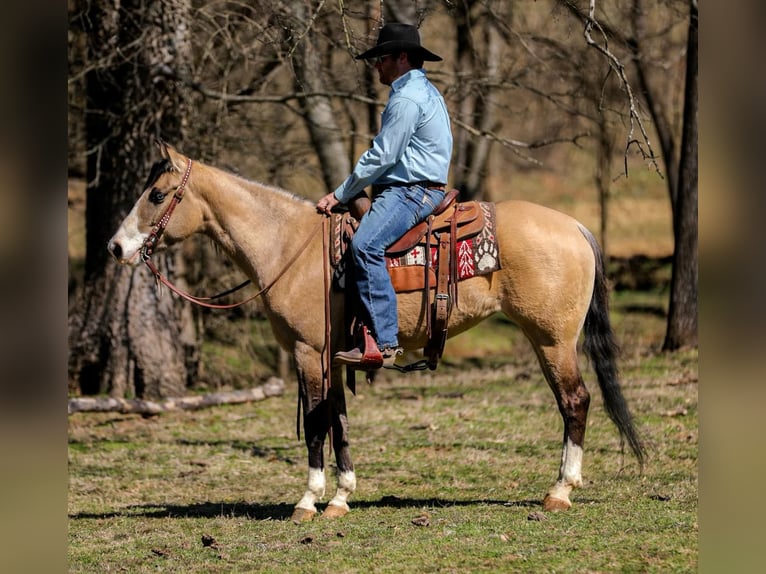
(601, 348)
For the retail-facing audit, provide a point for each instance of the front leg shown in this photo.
(338, 506)
(316, 425)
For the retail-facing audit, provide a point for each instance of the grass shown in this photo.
(472, 446)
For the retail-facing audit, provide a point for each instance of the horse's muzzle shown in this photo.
(115, 249)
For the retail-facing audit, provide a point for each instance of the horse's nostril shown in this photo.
(116, 250)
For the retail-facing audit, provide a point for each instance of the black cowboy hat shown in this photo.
(395, 38)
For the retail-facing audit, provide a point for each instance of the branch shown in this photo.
(515, 145)
(306, 30)
(616, 65)
(261, 99)
(271, 388)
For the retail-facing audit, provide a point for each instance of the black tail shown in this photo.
(602, 349)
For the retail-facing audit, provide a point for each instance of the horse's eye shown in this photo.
(156, 196)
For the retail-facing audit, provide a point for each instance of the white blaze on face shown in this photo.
(129, 239)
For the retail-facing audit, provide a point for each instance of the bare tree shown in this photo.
(680, 167)
(481, 34)
(682, 313)
(124, 339)
(309, 59)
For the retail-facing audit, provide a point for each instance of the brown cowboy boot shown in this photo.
(365, 360)
(370, 358)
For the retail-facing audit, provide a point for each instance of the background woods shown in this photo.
(271, 91)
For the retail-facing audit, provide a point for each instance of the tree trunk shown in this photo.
(478, 159)
(318, 113)
(603, 180)
(682, 313)
(374, 22)
(471, 155)
(464, 63)
(124, 339)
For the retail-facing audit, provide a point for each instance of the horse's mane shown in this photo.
(164, 165)
(249, 183)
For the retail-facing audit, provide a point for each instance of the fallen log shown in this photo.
(271, 388)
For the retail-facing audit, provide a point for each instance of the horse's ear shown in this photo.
(176, 158)
(163, 147)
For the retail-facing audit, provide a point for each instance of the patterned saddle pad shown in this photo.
(477, 255)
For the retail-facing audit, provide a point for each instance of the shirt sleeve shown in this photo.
(398, 124)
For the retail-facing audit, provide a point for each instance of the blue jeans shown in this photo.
(392, 213)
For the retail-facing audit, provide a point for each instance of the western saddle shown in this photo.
(449, 223)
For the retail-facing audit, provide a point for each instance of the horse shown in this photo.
(551, 283)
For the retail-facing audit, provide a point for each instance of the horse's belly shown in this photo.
(477, 300)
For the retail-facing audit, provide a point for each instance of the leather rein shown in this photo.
(151, 243)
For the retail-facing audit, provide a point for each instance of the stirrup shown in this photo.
(365, 357)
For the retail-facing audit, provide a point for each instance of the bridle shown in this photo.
(150, 243)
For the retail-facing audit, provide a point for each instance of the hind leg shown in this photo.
(559, 364)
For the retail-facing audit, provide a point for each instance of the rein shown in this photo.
(151, 242)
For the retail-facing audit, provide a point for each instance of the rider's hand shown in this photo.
(326, 204)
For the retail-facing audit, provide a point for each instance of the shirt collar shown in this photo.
(402, 80)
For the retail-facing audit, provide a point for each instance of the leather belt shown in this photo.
(428, 184)
(378, 187)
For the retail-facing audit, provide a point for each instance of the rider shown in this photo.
(407, 164)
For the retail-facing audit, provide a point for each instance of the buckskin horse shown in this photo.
(551, 283)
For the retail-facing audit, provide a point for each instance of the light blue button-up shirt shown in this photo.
(414, 142)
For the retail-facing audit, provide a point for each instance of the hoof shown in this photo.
(302, 515)
(551, 504)
(334, 511)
